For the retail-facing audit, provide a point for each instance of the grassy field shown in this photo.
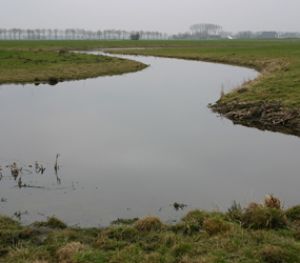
(278, 60)
(258, 233)
(27, 62)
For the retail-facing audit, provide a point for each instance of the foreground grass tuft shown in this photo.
(265, 233)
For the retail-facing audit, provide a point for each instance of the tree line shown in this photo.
(214, 31)
(196, 32)
(77, 34)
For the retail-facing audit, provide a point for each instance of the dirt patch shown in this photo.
(264, 115)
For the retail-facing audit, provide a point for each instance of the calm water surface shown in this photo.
(134, 144)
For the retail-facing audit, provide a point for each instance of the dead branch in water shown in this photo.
(56, 166)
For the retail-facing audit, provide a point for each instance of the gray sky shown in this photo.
(170, 16)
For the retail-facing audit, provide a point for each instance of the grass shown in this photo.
(199, 237)
(32, 64)
(278, 60)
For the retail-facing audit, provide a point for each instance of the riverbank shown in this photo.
(257, 233)
(46, 66)
(277, 60)
(270, 102)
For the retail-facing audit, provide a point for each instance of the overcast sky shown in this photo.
(170, 16)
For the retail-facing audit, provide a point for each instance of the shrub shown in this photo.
(196, 216)
(293, 213)
(148, 224)
(52, 222)
(260, 217)
(62, 51)
(235, 212)
(193, 221)
(272, 202)
(215, 225)
(104, 243)
(53, 80)
(296, 234)
(121, 233)
(8, 223)
(273, 254)
(129, 254)
(121, 221)
(151, 242)
(182, 249)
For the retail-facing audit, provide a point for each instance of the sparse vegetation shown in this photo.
(212, 237)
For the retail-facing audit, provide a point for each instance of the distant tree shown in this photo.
(205, 30)
(245, 35)
(268, 34)
(72, 34)
(135, 36)
(37, 33)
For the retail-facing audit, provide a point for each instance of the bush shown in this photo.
(235, 212)
(260, 217)
(272, 202)
(104, 243)
(148, 224)
(53, 80)
(182, 249)
(272, 254)
(293, 213)
(215, 225)
(121, 233)
(193, 221)
(129, 254)
(52, 222)
(121, 221)
(62, 51)
(8, 223)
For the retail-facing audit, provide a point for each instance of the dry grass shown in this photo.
(272, 202)
(66, 253)
(215, 226)
(148, 224)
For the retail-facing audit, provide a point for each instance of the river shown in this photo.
(132, 145)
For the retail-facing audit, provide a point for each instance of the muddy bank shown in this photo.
(264, 115)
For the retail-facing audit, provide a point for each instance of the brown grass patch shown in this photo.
(65, 254)
(148, 224)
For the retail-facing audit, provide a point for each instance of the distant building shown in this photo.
(268, 35)
(289, 35)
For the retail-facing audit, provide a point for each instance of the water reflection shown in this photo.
(135, 144)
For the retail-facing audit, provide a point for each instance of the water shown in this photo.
(134, 144)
